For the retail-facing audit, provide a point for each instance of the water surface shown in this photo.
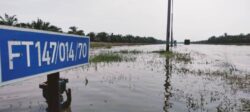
(217, 78)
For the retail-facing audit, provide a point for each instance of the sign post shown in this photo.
(53, 92)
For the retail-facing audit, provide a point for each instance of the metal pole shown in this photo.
(53, 92)
(168, 25)
(172, 23)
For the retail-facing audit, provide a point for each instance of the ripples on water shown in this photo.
(216, 79)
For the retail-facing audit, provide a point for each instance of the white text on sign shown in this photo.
(47, 52)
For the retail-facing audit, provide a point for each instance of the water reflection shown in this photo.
(53, 91)
(167, 85)
(65, 106)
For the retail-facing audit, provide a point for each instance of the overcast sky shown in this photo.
(194, 19)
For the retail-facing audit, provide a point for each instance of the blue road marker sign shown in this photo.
(26, 53)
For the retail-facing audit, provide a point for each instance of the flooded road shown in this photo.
(215, 78)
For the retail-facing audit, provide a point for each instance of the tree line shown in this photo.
(105, 37)
(39, 24)
(227, 39)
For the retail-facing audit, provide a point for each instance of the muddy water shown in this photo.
(217, 78)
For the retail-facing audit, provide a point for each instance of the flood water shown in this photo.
(216, 79)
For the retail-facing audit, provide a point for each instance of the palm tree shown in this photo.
(74, 30)
(24, 25)
(55, 29)
(8, 20)
(41, 25)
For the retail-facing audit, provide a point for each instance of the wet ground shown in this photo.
(214, 78)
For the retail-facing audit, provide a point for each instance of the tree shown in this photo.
(92, 36)
(228, 39)
(41, 25)
(8, 20)
(24, 25)
(103, 36)
(129, 38)
(74, 30)
(55, 29)
(112, 38)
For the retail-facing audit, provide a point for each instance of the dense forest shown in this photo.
(95, 37)
(227, 39)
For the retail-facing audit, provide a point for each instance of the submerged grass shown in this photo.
(179, 57)
(129, 51)
(110, 57)
(168, 54)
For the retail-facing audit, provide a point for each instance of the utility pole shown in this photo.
(171, 35)
(172, 23)
(168, 25)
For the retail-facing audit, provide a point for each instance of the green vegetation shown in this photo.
(116, 56)
(8, 20)
(74, 30)
(117, 38)
(100, 44)
(178, 57)
(106, 57)
(184, 57)
(110, 57)
(168, 54)
(129, 51)
(227, 39)
(94, 37)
